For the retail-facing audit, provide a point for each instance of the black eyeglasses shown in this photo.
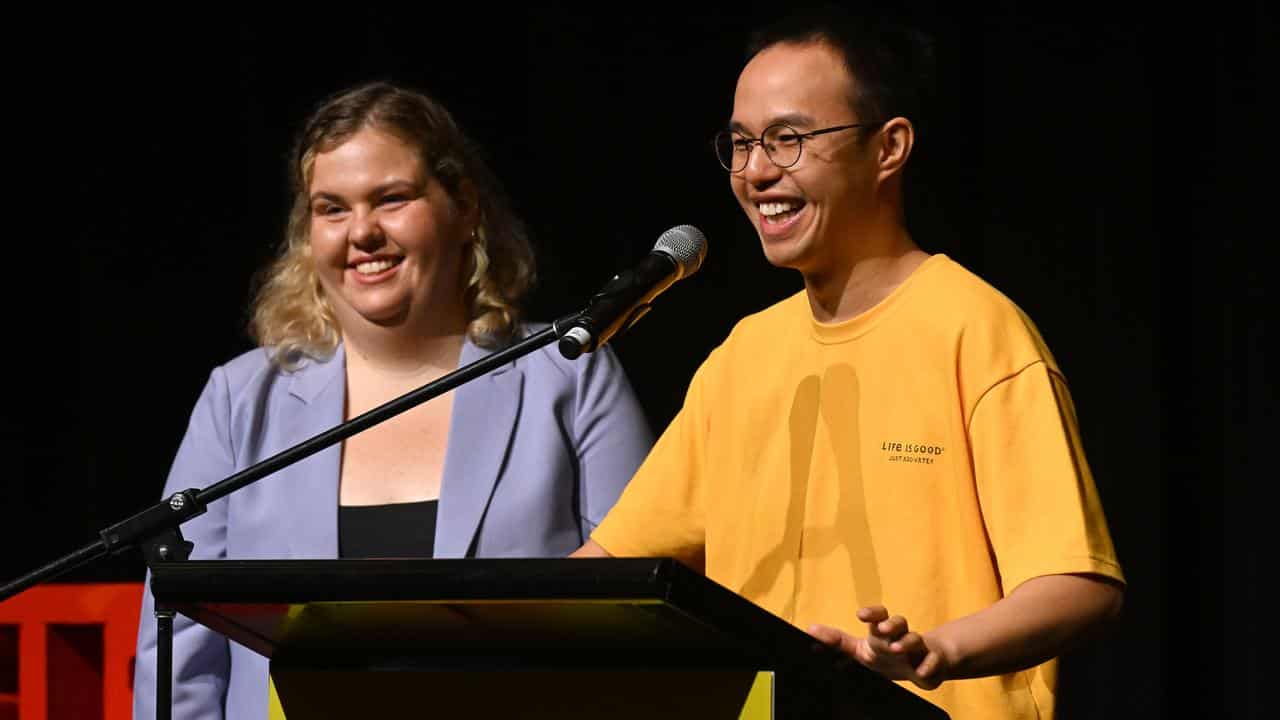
(782, 143)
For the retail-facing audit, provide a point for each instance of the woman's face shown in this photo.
(386, 238)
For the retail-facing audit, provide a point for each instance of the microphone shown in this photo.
(626, 297)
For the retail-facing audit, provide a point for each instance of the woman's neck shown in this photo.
(405, 351)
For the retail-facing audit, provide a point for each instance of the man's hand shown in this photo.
(890, 648)
(1039, 620)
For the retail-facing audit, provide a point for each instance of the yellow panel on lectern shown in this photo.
(537, 694)
(759, 704)
(274, 711)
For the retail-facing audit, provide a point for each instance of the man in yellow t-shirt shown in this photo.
(889, 459)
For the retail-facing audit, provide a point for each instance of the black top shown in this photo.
(400, 530)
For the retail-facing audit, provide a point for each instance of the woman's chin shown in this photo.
(388, 318)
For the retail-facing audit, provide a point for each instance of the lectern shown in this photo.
(522, 638)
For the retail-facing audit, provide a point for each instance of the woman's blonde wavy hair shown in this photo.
(290, 313)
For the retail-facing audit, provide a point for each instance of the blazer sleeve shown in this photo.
(611, 433)
(201, 657)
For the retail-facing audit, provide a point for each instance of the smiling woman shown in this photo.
(361, 158)
(402, 261)
(387, 241)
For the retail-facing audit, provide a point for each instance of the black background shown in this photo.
(1100, 165)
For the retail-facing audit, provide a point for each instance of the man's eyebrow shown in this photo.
(795, 119)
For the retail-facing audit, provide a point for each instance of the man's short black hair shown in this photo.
(891, 61)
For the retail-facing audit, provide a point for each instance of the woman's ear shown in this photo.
(468, 199)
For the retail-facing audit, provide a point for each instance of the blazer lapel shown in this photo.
(319, 391)
(482, 425)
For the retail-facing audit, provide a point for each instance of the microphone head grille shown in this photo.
(686, 245)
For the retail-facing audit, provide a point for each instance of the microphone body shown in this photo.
(627, 296)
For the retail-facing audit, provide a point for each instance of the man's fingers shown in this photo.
(834, 637)
(879, 643)
(826, 635)
(910, 644)
(929, 665)
(873, 614)
(891, 629)
(927, 672)
(864, 653)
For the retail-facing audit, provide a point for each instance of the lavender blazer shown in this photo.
(539, 450)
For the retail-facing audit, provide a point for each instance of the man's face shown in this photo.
(807, 215)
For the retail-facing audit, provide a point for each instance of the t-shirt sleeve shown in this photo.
(1039, 500)
(661, 511)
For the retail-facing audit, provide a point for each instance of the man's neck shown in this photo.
(874, 267)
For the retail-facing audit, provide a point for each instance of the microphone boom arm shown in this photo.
(156, 529)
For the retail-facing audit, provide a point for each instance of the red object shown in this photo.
(66, 652)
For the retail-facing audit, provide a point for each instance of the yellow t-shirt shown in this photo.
(924, 455)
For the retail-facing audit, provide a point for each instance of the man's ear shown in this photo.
(897, 137)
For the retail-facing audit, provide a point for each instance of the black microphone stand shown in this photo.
(156, 529)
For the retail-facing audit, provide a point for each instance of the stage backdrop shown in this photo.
(1095, 164)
